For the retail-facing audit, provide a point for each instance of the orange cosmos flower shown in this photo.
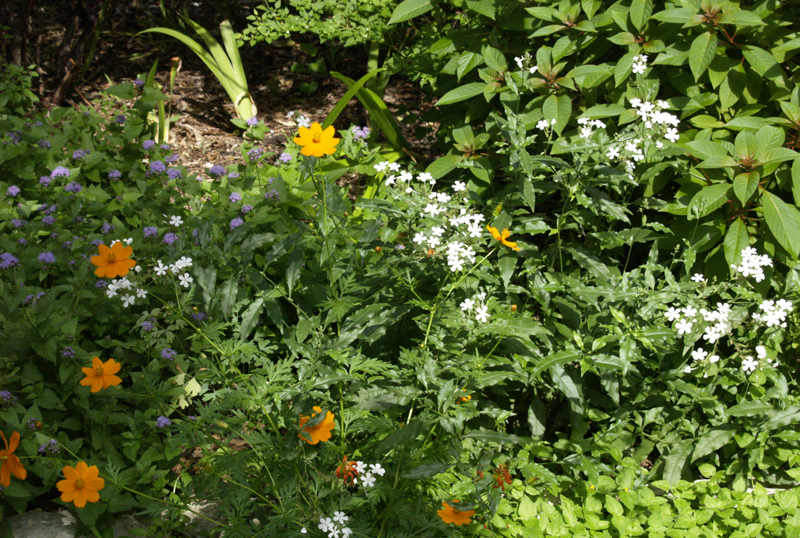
(317, 142)
(81, 485)
(320, 432)
(457, 517)
(11, 464)
(101, 375)
(113, 262)
(502, 237)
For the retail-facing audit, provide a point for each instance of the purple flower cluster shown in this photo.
(47, 257)
(33, 298)
(174, 173)
(120, 119)
(162, 422)
(73, 187)
(15, 136)
(66, 245)
(150, 231)
(216, 170)
(164, 147)
(106, 227)
(114, 174)
(148, 326)
(191, 417)
(50, 446)
(79, 154)
(170, 238)
(168, 353)
(148, 145)
(13, 191)
(157, 167)
(200, 316)
(8, 260)
(252, 122)
(49, 220)
(285, 157)
(233, 175)
(68, 352)
(44, 144)
(6, 398)
(48, 209)
(102, 284)
(360, 132)
(255, 154)
(272, 195)
(59, 171)
(22, 241)
(138, 83)
(236, 222)
(246, 208)
(172, 158)
(97, 242)
(45, 181)
(18, 223)
(31, 424)
(235, 197)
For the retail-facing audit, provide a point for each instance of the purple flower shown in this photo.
(170, 238)
(148, 326)
(150, 231)
(22, 241)
(49, 220)
(114, 174)
(236, 222)
(174, 173)
(7, 398)
(97, 242)
(162, 422)
(199, 316)
(59, 171)
(66, 245)
(106, 227)
(254, 154)
(48, 210)
(272, 195)
(148, 145)
(138, 83)
(44, 144)
(73, 187)
(157, 167)
(13, 191)
(172, 158)
(79, 154)
(18, 223)
(102, 284)
(168, 353)
(47, 257)
(8, 260)
(191, 417)
(285, 157)
(45, 181)
(252, 122)
(360, 132)
(164, 147)
(50, 446)
(216, 170)
(15, 136)
(68, 352)
(235, 197)
(246, 208)
(31, 424)
(234, 175)
(54, 235)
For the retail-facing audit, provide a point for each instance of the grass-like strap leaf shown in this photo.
(333, 114)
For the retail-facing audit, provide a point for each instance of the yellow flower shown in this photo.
(113, 262)
(81, 485)
(320, 432)
(457, 517)
(317, 142)
(502, 237)
(101, 375)
(10, 462)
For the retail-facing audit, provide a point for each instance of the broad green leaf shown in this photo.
(749, 409)
(712, 440)
(484, 7)
(706, 148)
(229, 292)
(674, 16)
(676, 461)
(640, 13)
(736, 240)
(559, 109)
(761, 61)
(776, 155)
(746, 145)
(783, 221)
(783, 418)
(748, 122)
(745, 185)
(603, 111)
(443, 165)
(467, 62)
(467, 91)
(702, 51)
(623, 69)
(494, 58)
(742, 19)
(708, 200)
(796, 182)
(426, 470)
(770, 137)
(207, 279)
(564, 356)
(488, 436)
(719, 161)
(408, 9)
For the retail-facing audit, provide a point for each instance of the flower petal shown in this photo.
(69, 473)
(104, 250)
(111, 367)
(80, 498)
(80, 469)
(66, 486)
(100, 272)
(12, 446)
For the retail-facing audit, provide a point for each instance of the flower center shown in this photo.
(79, 483)
(99, 370)
(112, 257)
(317, 138)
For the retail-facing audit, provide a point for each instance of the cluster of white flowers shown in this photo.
(719, 325)
(752, 264)
(123, 285)
(653, 114)
(639, 64)
(522, 60)
(700, 355)
(633, 154)
(544, 125)
(749, 364)
(334, 526)
(774, 312)
(481, 310)
(366, 477)
(588, 126)
(175, 268)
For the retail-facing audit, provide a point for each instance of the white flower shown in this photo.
(475, 229)
(639, 68)
(176, 221)
(127, 300)
(749, 365)
(346, 532)
(635, 102)
(419, 238)
(699, 354)
(140, 293)
(289, 115)
(406, 176)
(687, 370)
(302, 121)
(519, 59)
(459, 186)
(613, 153)
(340, 518)
(333, 532)
(377, 469)
(672, 135)
(467, 304)
(713, 358)
(425, 176)
(434, 241)
(482, 314)
(698, 278)
(394, 167)
(673, 313)
(433, 209)
(111, 292)
(534, 69)
(380, 167)
(761, 352)
(367, 480)
(361, 467)
(186, 279)
(303, 531)
(542, 125)
(659, 144)
(683, 326)
(689, 311)
(184, 262)
(438, 231)
(138, 268)
(161, 270)
(481, 296)
(325, 524)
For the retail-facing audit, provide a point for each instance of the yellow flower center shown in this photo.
(79, 483)
(112, 257)
(317, 138)
(99, 370)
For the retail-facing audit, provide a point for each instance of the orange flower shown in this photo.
(81, 485)
(113, 262)
(317, 142)
(464, 399)
(11, 464)
(320, 432)
(101, 375)
(501, 475)
(347, 471)
(457, 517)
(502, 237)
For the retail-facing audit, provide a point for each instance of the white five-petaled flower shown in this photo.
(613, 153)
(289, 115)
(761, 352)
(367, 480)
(683, 326)
(673, 313)
(340, 517)
(698, 278)
(381, 166)
(127, 300)
(467, 304)
(302, 121)
(176, 220)
(325, 524)
(749, 365)
(377, 469)
(161, 270)
(394, 167)
(699, 354)
(672, 135)
(482, 313)
(458, 186)
(346, 532)
(186, 279)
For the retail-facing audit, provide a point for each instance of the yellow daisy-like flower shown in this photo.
(101, 375)
(320, 432)
(113, 262)
(457, 517)
(81, 485)
(317, 142)
(503, 237)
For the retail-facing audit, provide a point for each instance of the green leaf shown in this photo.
(702, 51)
(443, 165)
(761, 61)
(746, 145)
(250, 318)
(719, 161)
(333, 114)
(484, 7)
(623, 68)
(784, 418)
(749, 409)
(488, 436)
(674, 16)
(229, 292)
(676, 461)
(745, 185)
(603, 111)
(207, 279)
(640, 13)
(462, 93)
(467, 62)
(708, 200)
(559, 109)
(565, 356)
(426, 470)
(783, 221)
(713, 440)
(494, 58)
(408, 9)
(293, 269)
(773, 155)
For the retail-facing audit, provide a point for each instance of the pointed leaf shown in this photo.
(462, 93)
(640, 12)
(709, 200)
(783, 221)
(676, 461)
(702, 51)
(736, 240)
(409, 9)
(745, 185)
(713, 440)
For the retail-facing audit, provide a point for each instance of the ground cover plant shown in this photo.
(576, 320)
